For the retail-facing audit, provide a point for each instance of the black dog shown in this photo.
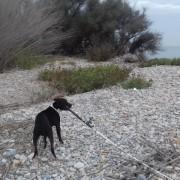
(44, 122)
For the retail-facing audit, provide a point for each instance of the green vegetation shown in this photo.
(86, 79)
(161, 61)
(136, 82)
(28, 61)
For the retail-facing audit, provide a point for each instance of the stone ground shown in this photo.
(22, 87)
(144, 123)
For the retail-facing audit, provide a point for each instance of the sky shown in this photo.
(165, 15)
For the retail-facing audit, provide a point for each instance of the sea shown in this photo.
(167, 52)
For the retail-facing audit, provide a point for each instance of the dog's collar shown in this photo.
(53, 107)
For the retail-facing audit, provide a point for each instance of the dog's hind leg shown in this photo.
(58, 130)
(35, 140)
(45, 142)
(51, 139)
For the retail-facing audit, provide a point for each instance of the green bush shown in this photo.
(28, 61)
(161, 61)
(86, 79)
(100, 53)
(136, 82)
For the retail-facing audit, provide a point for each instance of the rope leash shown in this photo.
(90, 125)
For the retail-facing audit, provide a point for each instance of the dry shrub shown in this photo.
(102, 52)
(26, 26)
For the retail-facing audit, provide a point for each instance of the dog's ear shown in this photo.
(55, 105)
(70, 105)
(57, 98)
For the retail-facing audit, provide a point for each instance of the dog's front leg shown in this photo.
(58, 130)
(50, 136)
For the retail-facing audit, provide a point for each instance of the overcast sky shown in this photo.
(165, 15)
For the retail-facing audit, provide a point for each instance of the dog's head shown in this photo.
(61, 103)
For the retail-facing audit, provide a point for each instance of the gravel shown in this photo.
(19, 87)
(144, 123)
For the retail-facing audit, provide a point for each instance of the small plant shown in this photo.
(28, 61)
(100, 53)
(136, 82)
(161, 61)
(86, 79)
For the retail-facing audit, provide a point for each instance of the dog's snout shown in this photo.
(70, 105)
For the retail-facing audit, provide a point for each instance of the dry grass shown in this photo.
(26, 26)
(161, 61)
(28, 61)
(100, 53)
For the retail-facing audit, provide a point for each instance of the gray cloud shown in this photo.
(165, 16)
(172, 6)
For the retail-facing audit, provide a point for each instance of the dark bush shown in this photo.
(102, 52)
(146, 41)
(112, 21)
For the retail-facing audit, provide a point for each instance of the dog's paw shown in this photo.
(35, 154)
(61, 142)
